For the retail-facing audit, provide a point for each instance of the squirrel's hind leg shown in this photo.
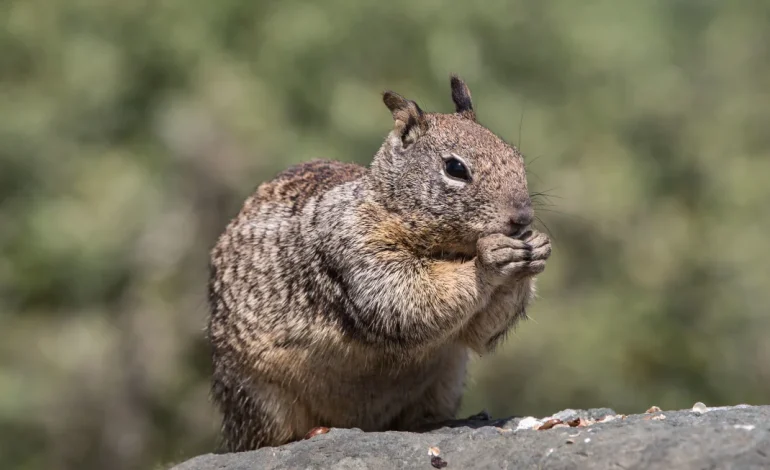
(441, 400)
(257, 416)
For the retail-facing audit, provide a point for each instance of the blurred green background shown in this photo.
(130, 132)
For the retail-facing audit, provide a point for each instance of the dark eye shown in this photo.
(456, 169)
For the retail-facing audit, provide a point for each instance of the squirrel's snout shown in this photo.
(520, 219)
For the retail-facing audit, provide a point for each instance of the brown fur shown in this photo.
(346, 296)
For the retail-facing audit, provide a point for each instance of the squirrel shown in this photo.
(351, 297)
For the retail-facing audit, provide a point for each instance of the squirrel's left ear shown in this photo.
(410, 123)
(461, 95)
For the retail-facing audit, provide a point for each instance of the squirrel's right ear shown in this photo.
(410, 123)
(461, 95)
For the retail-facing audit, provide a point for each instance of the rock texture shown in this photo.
(703, 438)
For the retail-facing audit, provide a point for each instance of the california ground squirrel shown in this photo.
(346, 296)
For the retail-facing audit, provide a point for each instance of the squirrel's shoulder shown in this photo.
(295, 185)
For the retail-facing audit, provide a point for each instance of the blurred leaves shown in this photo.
(131, 132)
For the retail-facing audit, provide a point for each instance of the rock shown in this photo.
(725, 437)
(593, 413)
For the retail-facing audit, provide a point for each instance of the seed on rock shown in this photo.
(316, 431)
(580, 422)
(747, 427)
(549, 424)
(699, 408)
(438, 462)
(653, 409)
(433, 451)
(528, 423)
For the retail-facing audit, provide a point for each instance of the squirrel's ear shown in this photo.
(461, 95)
(410, 123)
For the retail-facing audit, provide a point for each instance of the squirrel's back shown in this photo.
(263, 272)
(296, 185)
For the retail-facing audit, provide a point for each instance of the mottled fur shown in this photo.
(348, 296)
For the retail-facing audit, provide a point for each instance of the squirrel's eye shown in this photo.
(456, 169)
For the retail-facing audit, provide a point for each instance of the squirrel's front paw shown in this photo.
(541, 250)
(506, 258)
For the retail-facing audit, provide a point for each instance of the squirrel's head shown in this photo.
(449, 175)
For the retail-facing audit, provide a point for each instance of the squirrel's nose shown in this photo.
(521, 218)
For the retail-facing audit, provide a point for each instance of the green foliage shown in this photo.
(131, 132)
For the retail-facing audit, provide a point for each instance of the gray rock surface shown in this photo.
(727, 437)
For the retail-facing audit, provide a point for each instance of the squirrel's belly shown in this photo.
(352, 393)
(367, 402)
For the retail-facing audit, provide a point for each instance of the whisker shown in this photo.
(566, 214)
(547, 190)
(544, 196)
(534, 159)
(542, 201)
(530, 172)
